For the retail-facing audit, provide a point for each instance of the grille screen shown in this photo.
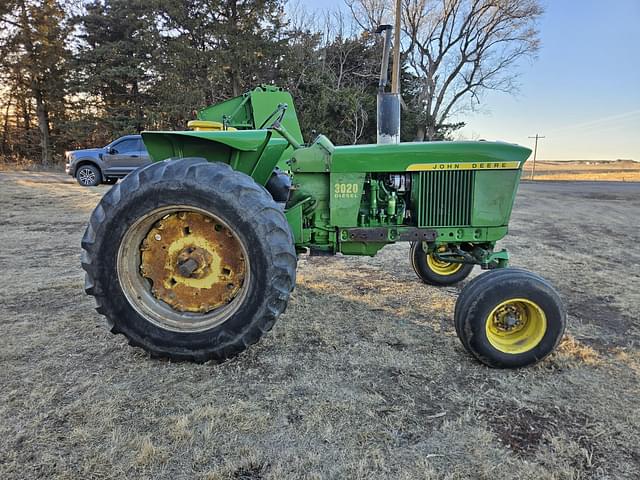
(445, 198)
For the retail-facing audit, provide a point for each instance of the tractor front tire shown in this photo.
(433, 271)
(509, 318)
(189, 260)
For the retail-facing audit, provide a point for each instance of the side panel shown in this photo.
(345, 198)
(294, 218)
(235, 108)
(263, 103)
(493, 196)
(311, 192)
(250, 110)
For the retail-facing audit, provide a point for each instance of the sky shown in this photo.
(582, 92)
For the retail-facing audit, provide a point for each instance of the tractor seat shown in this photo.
(208, 126)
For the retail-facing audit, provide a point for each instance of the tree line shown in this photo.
(78, 73)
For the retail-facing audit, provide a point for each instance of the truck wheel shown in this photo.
(189, 260)
(434, 271)
(510, 318)
(88, 176)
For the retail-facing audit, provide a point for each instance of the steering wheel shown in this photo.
(280, 112)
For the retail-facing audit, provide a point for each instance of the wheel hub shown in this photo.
(510, 318)
(86, 176)
(194, 263)
(442, 267)
(516, 326)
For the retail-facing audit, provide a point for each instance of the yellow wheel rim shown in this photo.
(440, 267)
(516, 326)
(194, 263)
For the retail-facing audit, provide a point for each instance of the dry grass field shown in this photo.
(361, 378)
(615, 171)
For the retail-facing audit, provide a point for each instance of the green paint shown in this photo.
(254, 152)
(252, 109)
(397, 158)
(494, 193)
(345, 198)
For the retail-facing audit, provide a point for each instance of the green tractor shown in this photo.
(194, 256)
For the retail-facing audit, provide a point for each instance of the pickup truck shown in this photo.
(93, 166)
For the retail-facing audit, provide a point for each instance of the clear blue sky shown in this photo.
(583, 90)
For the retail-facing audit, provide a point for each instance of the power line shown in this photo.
(535, 154)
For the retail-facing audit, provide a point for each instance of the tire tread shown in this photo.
(269, 219)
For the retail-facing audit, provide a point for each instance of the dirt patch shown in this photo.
(362, 377)
(520, 429)
(616, 327)
(251, 472)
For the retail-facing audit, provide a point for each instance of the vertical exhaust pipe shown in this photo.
(386, 51)
(388, 112)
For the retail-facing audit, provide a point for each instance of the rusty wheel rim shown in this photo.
(183, 268)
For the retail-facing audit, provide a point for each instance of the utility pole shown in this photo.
(535, 154)
(395, 72)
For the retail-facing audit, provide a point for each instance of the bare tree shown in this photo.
(347, 66)
(368, 14)
(459, 49)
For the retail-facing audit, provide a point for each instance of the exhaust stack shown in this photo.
(388, 113)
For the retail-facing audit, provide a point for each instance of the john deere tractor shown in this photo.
(194, 256)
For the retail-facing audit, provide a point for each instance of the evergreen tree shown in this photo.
(115, 63)
(33, 58)
(213, 50)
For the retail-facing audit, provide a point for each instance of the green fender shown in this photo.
(254, 152)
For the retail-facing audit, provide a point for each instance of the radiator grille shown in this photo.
(445, 198)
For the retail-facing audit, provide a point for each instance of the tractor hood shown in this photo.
(422, 156)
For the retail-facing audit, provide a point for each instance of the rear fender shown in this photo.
(254, 152)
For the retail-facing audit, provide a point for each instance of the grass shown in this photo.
(362, 377)
(609, 171)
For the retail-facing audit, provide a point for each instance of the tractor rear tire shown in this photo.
(132, 215)
(435, 272)
(510, 318)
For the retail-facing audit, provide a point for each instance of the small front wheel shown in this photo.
(434, 271)
(512, 320)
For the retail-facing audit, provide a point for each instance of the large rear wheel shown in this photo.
(203, 257)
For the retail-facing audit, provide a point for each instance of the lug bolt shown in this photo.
(158, 237)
